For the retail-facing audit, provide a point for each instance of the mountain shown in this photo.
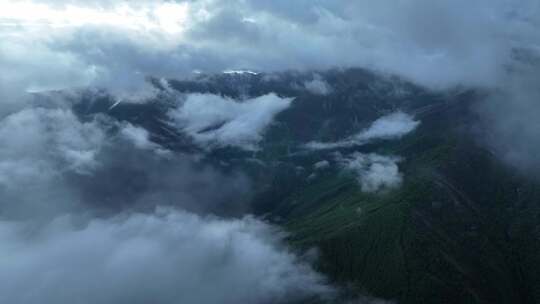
(425, 216)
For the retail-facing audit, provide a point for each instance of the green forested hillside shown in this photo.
(463, 227)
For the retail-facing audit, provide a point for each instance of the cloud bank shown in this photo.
(59, 44)
(52, 162)
(391, 126)
(318, 86)
(509, 124)
(166, 257)
(374, 172)
(77, 221)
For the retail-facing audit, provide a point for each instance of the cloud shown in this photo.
(58, 173)
(215, 121)
(321, 165)
(318, 86)
(140, 179)
(509, 124)
(79, 43)
(140, 138)
(50, 133)
(59, 44)
(51, 45)
(375, 172)
(38, 146)
(387, 127)
(165, 257)
(53, 163)
(387, 36)
(391, 126)
(73, 228)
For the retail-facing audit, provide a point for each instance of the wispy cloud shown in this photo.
(73, 228)
(374, 172)
(318, 86)
(215, 121)
(391, 126)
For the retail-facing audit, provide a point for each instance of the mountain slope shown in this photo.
(462, 227)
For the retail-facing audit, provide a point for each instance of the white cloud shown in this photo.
(38, 147)
(49, 45)
(143, 16)
(433, 43)
(167, 257)
(56, 170)
(240, 72)
(391, 126)
(53, 163)
(321, 165)
(140, 137)
(212, 120)
(64, 44)
(375, 172)
(56, 135)
(318, 86)
(59, 44)
(317, 145)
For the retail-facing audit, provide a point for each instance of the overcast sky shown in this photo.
(57, 44)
